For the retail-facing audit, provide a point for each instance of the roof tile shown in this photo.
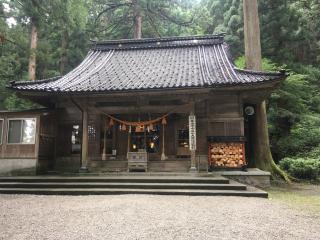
(202, 61)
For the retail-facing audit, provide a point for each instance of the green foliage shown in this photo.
(267, 64)
(226, 17)
(302, 168)
(294, 116)
(12, 102)
(293, 111)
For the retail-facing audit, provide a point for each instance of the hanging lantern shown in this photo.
(151, 127)
(124, 127)
(111, 123)
(164, 121)
(139, 129)
(130, 129)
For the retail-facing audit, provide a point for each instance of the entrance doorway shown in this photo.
(145, 139)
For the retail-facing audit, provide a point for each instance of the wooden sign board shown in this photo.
(192, 133)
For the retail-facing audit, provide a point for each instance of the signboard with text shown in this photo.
(192, 133)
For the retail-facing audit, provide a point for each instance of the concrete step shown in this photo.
(113, 191)
(117, 179)
(74, 185)
(164, 184)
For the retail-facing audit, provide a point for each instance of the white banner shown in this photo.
(192, 133)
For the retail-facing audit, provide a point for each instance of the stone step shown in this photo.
(74, 185)
(113, 191)
(116, 179)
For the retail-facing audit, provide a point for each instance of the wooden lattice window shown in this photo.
(92, 133)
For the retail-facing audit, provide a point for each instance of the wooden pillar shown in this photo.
(104, 151)
(84, 146)
(163, 155)
(129, 142)
(192, 138)
(114, 139)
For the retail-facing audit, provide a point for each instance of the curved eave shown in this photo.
(235, 86)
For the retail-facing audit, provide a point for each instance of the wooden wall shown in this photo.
(18, 150)
(18, 159)
(225, 116)
(47, 142)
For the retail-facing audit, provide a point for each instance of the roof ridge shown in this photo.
(159, 39)
(167, 42)
(276, 73)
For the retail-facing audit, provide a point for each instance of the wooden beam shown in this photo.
(84, 145)
(143, 109)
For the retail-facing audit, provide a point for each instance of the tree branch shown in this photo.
(109, 8)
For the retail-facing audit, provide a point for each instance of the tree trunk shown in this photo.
(252, 35)
(137, 20)
(63, 57)
(261, 146)
(33, 48)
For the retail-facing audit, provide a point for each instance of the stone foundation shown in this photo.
(252, 176)
(14, 167)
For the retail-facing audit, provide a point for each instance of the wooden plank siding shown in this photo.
(13, 150)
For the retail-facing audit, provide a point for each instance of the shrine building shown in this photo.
(174, 104)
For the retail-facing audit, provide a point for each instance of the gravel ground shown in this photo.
(152, 217)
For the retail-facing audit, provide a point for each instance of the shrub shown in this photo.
(302, 168)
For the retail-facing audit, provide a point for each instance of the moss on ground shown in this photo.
(304, 196)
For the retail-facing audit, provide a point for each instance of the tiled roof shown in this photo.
(179, 62)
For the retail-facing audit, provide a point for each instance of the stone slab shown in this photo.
(252, 176)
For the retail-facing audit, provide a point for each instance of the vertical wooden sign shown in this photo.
(192, 133)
